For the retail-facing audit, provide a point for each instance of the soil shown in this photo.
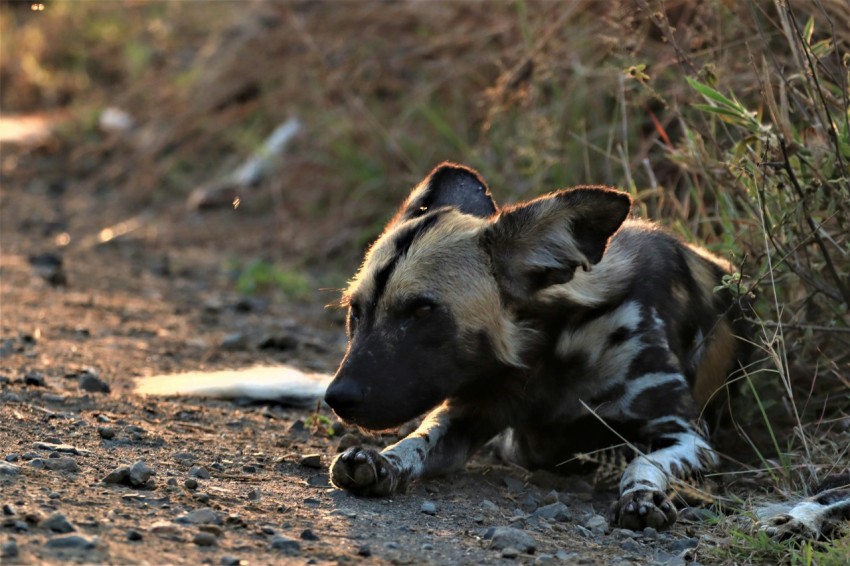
(228, 482)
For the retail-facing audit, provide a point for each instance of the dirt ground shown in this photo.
(221, 482)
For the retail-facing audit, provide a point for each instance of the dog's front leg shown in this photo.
(643, 488)
(442, 443)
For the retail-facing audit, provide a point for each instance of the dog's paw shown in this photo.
(786, 526)
(364, 471)
(643, 508)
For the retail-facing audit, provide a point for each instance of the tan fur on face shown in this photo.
(448, 264)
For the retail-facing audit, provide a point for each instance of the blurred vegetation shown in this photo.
(727, 121)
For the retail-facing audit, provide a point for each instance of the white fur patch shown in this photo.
(282, 383)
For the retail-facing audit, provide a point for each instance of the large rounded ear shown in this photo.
(449, 184)
(540, 243)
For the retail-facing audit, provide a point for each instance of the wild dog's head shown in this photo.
(434, 304)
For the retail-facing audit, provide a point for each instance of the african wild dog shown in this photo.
(558, 324)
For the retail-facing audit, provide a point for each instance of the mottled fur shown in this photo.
(556, 324)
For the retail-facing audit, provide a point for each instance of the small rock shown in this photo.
(164, 528)
(234, 341)
(568, 557)
(554, 512)
(56, 447)
(12, 457)
(429, 508)
(58, 523)
(427, 546)
(347, 441)
(228, 560)
(106, 432)
(190, 483)
(172, 482)
(513, 484)
(9, 549)
(63, 464)
(205, 539)
(597, 525)
(504, 537)
(488, 505)
(551, 497)
(364, 551)
(139, 473)
(630, 545)
(203, 516)
(254, 494)
(70, 542)
(624, 533)
(308, 534)
(7, 469)
(510, 552)
(184, 458)
(199, 472)
(286, 545)
(92, 383)
(8, 510)
(35, 379)
(311, 460)
(134, 535)
(118, 475)
(650, 533)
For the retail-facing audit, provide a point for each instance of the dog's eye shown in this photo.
(420, 308)
(423, 311)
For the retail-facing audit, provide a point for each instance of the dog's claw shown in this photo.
(363, 471)
(643, 508)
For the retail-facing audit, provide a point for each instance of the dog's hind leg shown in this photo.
(816, 517)
(443, 443)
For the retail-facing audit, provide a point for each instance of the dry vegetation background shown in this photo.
(726, 120)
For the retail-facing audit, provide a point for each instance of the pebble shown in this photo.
(118, 475)
(254, 494)
(488, 505)
(140, 473)
(56, 447)
(34, 378)
(8, 510)
(308, 534)
(58, 523)
(199, 472)
(554, 512)
(551, 497)
(510, 552)
(596, 524)
(92, 383)
(12, 457)
(184, 458)
(630, 545)
(229, 560)
(71, 542)
(624, 533)
(288, 546)
(429, 508)
(234, 341)
(7, 469)
(9, 549)
(205, 539)
(62, 464)
(164, 528)
(364, 551)
(106, 432)
(190, 483)
(650, 533)
(311, 460)
(133, 534)
(504, 537)
(203, 516)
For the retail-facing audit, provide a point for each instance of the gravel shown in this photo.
(554, 512)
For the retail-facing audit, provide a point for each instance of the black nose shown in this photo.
(343, 394)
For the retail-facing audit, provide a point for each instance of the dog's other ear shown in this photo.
(540, 243)
(449, 184)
